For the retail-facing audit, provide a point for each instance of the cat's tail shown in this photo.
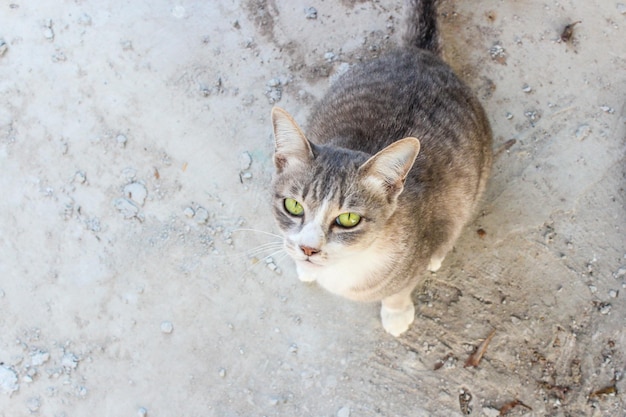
(421, 26)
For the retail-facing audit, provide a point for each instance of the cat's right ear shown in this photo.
(388, 169)
(292, 148)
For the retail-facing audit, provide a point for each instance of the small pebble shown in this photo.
(498, 54)
(48, 33)
(310, 13)
(582, 132)
(621, 7)
(84, 19)
(129, 173)
(245, 160)
(142, 412)
(8, 380)
(69, 361)
(246, 175)
(593, 289)
(607, 109)
(121, 140)
(33, 404)
(613, 293)
(509, 116)
(343, 412)
(3, 47)
(39, 358)
(329, 56)
(222, 373)
(136, 192)
(532, 115)
(2, 293)
(126, 207)
(80, 177)
(274, 401)
(189, 212)
(202, 215)
(274, 82)
(526, 88)
(167, 327)
(293, 348)
(605, 309)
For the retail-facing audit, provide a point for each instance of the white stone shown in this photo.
(8, 380)
(167, 327)
(136, 192)
(343, 412)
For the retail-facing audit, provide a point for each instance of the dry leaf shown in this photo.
(610, 390)
(568, 31)
(475, 357)
(509, 406)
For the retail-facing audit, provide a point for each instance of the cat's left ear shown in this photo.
(387, 170)
(292, 148)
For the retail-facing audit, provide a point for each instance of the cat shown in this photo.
(396, 157)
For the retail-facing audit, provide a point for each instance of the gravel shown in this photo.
(8, 380)
(167, 327)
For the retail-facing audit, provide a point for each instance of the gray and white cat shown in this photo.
(395, 159)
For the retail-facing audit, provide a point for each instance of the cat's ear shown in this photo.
(387, 170)
(292, 148)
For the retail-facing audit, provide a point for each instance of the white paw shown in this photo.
(397, 322)
(434, 264)
(306, 277)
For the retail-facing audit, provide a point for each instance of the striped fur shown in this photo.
(360, 155)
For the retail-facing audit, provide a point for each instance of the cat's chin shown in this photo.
(307, 270)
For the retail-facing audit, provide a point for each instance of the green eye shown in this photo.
(293, 207)
(348, 220)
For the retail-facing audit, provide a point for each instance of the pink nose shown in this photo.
(309, 251)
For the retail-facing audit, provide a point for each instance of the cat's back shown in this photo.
(407, 92)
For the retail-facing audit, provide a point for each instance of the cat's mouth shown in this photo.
(310, 263)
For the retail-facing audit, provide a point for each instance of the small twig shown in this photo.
(504, 147)
(509, 406)
(611, 390)
(475, 357)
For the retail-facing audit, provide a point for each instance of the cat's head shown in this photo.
(329, 202)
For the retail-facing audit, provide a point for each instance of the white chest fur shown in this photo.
(354, 277)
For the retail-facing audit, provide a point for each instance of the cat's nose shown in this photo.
(308, 251)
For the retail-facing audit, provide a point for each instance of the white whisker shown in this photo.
(271, 255)
(259, 250)
(258, 231)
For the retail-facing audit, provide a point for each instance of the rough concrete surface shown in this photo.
(135, 158)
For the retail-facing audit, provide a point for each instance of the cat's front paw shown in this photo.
(434, 264)
(396, 322)
(306, 277)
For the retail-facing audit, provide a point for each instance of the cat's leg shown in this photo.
(398, 312)
(453, 232)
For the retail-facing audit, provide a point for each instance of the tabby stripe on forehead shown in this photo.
(305, 190)
(342, 195)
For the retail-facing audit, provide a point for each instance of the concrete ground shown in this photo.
(135, 160)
